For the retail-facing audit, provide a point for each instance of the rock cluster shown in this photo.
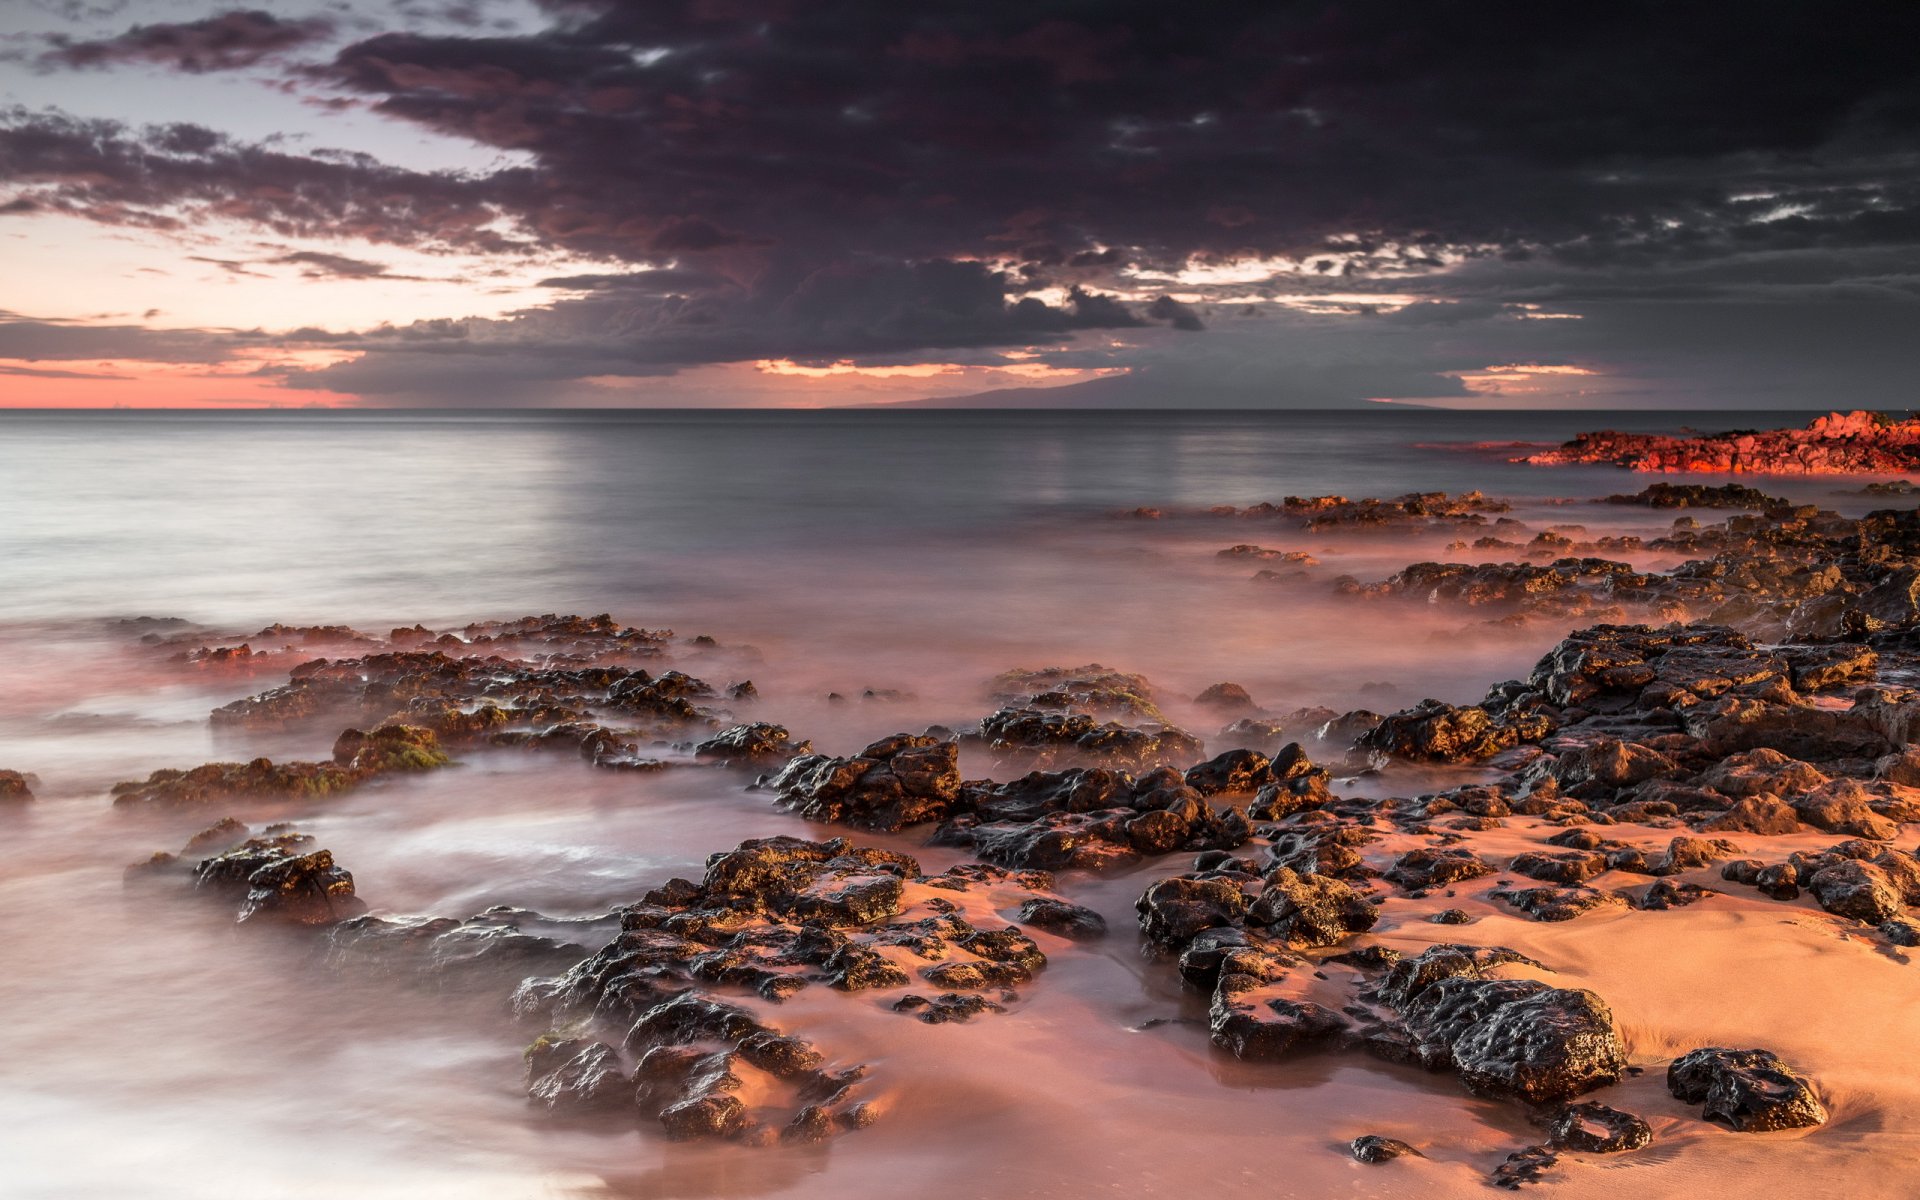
(1855, 443)
(357, 758)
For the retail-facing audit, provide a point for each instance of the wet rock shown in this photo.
(389, 748)
(758, 744)
(1173, 910)
(223, 834)
(1545, 1045)
(1046, 738)
(948, 1006)
(894, 783)
(1271, 1028)
(499, 945)
(15, 787)
(1310, 910)
(576, 1075)
(1413, 975)
(1696, 495)
(282, 879)
(1233, 771)
(1748, 1090)
(1531, 1165)
(1598, 1129)
(1376, 1148)
(1436, 732)
(1820, 668)
(1294, 785)
(1608, 764)
(1427, 867)
(1067, 920)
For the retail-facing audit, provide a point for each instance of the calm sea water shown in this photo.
(348, 516)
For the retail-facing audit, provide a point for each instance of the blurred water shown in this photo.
(350, 516)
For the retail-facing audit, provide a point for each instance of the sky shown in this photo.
(473, 203)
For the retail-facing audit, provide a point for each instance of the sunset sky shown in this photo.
(810, 202)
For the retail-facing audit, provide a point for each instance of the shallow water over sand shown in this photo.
(157, 1050)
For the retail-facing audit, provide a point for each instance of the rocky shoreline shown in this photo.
(1855, 443)
(1738, 724)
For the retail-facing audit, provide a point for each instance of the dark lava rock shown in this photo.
(500, 945)
(1901, 932)
(1699, 495)
(388, 749)
(1310, 910)
(948, 1006)
(1568, 867)
(898, 781)
(1229, 699)
(283, 880)
(1860, 890)
(1436, 732)
(1173, 910)
(1598, 1129)
(758, 744)
(1067, 920)
(1294, 785)
(1507, 1038)
(1233, 771)
(1426, 867)
(1523, 1167)
(1272, 1028)
(577, 1075)
(1748, 1090)
(1666, 894)
(1375, 1148)
(1548, 1044)
(1044, 738)
(1557, 903)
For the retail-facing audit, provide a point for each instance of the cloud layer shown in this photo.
(768, 179)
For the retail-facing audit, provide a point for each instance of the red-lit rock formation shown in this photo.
(1856, 443)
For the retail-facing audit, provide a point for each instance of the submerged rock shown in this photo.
(1597, 1129)
(282, 879)
(1377, 1148)
(357, 758)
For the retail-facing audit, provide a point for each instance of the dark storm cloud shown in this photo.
(171, 177)
(58, 341)
(1068, 128)
(772, 178)
(227, 41)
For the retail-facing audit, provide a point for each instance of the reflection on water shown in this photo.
(156, 1050)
